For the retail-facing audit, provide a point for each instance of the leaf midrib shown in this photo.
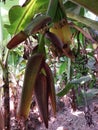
(25, 14)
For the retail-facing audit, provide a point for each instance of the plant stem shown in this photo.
(41, 47)
(1, 64)
(1, 33)
(6, 95)
(62, 8)
(69, 70)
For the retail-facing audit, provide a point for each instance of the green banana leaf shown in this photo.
(19, 16)
(62, 68)
(91, 5)
(65, 90)
(74, 83)
(86, 21)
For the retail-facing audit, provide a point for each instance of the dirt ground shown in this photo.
(65, 118)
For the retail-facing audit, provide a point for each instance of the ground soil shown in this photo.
(65, 118)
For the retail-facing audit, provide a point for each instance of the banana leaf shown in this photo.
(74, 83)
(19, 17)
(65, 90)
(91, 5)
(82, 80)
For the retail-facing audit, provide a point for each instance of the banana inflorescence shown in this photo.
(51, 88)
(38, 23)
(33, 27)
(38, 80)
(62, 31)
(17, 39)
(60, 46)
(60, 28)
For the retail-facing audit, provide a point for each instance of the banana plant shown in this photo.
(50, 26)
(40, 72)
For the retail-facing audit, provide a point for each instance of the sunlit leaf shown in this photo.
(15, 11)
(20, 16)
(62, 68)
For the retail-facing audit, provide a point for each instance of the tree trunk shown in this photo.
(6, 107)
(6, 98)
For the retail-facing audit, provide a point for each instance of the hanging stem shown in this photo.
(41, 47)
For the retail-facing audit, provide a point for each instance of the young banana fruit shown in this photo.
(62, 48)
(55, 40)
(62, 31)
